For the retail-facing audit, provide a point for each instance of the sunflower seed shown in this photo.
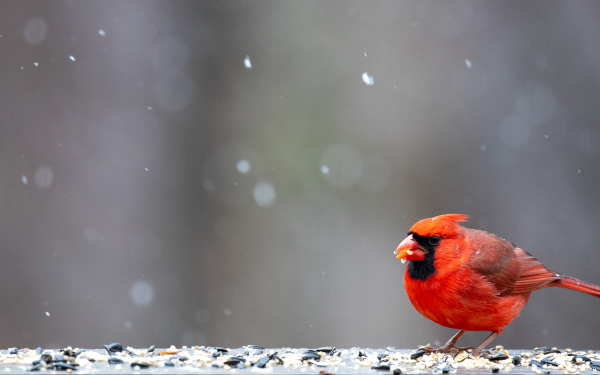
(325, 349)
(582, 357)
(550, 351)
(234, 361)
(141, 365)
(115, 360)
(534, 362)
(310, 355)
(418, 354)
(549, 361)
(263, 362)
(219, 349)
(381, 366)
(65, 366)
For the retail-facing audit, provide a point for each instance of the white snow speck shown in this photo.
(579, 171)
(227, 312)
(146, 168)
(247, 62)
(47, 313)
(368, 79)
(150, 108)
(36, 63)
(21, 67)
(365, 54)
(325, 169)
(546, 136)
(24, 179)
(482, 147)
(72, 58)
(101, 32)
(468, 63)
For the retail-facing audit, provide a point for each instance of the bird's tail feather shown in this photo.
(571, 283)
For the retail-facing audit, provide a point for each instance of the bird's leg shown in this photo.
(447, 346)
(478, 350)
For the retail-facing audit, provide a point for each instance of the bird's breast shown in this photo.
(462, 300)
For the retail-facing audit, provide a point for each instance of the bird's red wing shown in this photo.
(495, 259)
(534, 275)
(510, 269)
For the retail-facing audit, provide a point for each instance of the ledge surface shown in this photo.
(115, 359)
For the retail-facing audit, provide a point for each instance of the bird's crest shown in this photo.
(444, 225)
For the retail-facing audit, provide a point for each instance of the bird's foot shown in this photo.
(449, 346)
(443, 349)
(478, 352)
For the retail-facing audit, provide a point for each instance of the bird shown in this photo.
(470, 279)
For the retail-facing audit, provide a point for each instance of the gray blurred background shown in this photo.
(233, 173)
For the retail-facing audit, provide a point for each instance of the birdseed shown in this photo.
(323, 360)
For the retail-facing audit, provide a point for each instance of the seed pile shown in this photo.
(115, 358)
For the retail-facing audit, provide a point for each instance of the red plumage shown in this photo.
(472, 280)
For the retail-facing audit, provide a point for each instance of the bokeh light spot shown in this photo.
(142, 293)
(35, 31)
(243, 166)
(44, 177)
(264, 194)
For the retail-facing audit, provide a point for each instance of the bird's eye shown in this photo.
(434, 240)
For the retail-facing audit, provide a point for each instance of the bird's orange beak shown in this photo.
(409, 249)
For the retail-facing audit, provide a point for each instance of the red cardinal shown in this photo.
(471, 280)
